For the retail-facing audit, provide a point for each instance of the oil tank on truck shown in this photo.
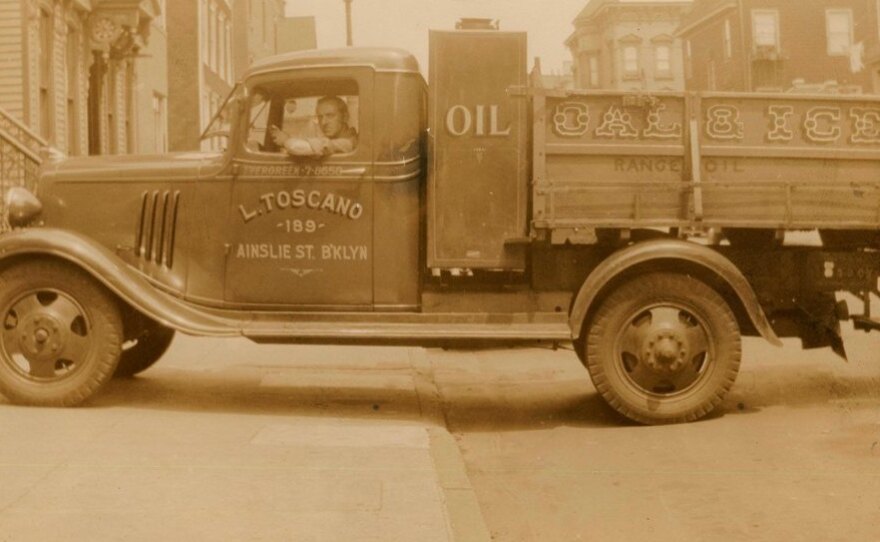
(478, 170)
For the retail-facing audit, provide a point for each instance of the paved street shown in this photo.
(227, 440)
(792, 454)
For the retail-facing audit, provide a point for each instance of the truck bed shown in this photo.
(780, 161)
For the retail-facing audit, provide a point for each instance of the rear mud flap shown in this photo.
(821, 327)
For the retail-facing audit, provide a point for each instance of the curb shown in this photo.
(463, 515)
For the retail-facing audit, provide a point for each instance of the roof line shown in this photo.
(712, 14)
(625, 3)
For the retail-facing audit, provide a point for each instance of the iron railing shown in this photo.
(20, 159)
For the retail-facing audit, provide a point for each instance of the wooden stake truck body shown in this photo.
(646, 229)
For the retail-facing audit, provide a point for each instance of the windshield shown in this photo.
(220, 124)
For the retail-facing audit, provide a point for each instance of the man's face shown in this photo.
(331, 119)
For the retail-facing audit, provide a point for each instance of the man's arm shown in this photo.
(313, 146)
(326, 146)
(295, 146)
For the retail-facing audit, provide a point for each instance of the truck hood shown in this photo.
(166, 167)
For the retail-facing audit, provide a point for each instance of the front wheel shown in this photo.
(663, 348)
(61, 334)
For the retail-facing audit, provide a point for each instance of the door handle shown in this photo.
(355, 171)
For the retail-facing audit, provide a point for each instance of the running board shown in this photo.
(404, 332)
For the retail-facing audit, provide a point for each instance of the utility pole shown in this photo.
(348, 39)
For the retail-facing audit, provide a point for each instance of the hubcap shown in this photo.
(45, 335)
(663, 350)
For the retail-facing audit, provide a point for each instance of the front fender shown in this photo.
(669, 250)
(120, 278)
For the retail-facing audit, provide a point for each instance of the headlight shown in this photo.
(21, 206)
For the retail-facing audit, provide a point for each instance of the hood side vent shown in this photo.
(157, 227)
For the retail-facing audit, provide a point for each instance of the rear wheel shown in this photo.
(61, 334)
(663, 348)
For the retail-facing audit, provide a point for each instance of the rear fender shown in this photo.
(118, 277)
(643, 255)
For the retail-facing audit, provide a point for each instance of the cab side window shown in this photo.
(310, 119)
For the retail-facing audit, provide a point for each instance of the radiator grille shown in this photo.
(157, 227)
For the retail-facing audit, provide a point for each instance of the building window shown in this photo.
(160, 141)
(229, 68)
(72, 90)
(877, 11)
(839, 31)
(203, 114)
(594, 71)
(765, 28)
(265, 20)
(110, 143)
(130, 107)
(711, 83)
(203, 31)
(728, 42)
(662, 61)
(688, 60)
(45, 74)
(630, 61)
(221, 44)
(160, 19)
(212, 37)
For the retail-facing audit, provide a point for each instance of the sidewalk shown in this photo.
(225, 440)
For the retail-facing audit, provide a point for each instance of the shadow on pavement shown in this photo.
(240, 392)
(808, 385)
(529, 407)
(478, 396)
(483, 406)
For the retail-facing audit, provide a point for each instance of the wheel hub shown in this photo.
(665, 351)
(41, 337)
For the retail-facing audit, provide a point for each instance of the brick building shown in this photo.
(628, 45)
(214, 42)
(69, 71)
(781, 45)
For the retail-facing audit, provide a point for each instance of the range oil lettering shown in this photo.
(302, 199)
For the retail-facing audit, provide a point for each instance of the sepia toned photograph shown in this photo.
(439, 270)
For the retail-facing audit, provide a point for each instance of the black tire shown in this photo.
(152, 342)
(663, 348)
(61, 334)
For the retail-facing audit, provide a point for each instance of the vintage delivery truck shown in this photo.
(647, 230)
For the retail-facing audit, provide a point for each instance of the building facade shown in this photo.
(782, 46)
(69, 70)
(214, 43)
(256, 31)
(628, 45)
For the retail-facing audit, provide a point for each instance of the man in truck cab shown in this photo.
(338, 137)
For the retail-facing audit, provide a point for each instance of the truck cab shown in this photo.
(337, 232)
